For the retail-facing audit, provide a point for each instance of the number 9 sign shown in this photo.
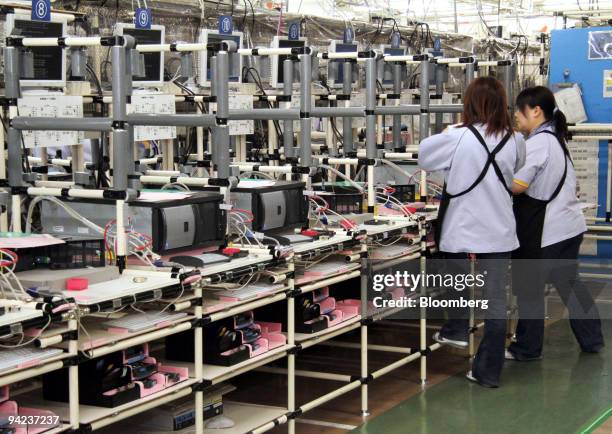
(142, 19)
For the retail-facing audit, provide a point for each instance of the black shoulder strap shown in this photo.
(492, 155)
(561, 143)
(566, 156)
(490, 162)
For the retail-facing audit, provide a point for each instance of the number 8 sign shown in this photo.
(294, 31)
(41, 10)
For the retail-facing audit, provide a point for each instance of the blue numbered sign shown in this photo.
(226, 26)
(437, 44)
(349, 35)
(143, 18)
(41, 10)
(294, 31)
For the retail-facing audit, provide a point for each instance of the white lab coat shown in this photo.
(542, 173)
(481, 221)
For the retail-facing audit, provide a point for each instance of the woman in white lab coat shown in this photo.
(475, 220)
(550, 227)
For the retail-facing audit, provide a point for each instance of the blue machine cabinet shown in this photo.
(569, 62)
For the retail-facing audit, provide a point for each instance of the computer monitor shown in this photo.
(154, 62)
(276, 61)
(276, 205)
(49, 62)
(385, 69)
(235, 59)
(335, 67)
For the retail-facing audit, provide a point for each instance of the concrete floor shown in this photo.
(564, 393)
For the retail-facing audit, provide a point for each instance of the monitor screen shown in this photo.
(336, 69)
(234, 58)
(346, 48)
(285, 43)
(47, 60)
(394, 51)
(387, 78)
(152, 61)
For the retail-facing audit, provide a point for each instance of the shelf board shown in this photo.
(127, 285)
(212, 306)
(33, 371)
(301, 248)
(404, 255)
(377, 265)
(234, 265)
(307, 281)
(324, 335)
(97, 336)
(391, 226)
(62, 428)
(247, 417)
(381, 314)
(24, 314)
(216, 374)
(90, 414)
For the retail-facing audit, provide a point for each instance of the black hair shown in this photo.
(540, 96)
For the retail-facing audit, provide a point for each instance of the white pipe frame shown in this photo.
(409, 59)
(158, 178)
(163, 180)
(338, 55)
(268, 51)
(68, 41)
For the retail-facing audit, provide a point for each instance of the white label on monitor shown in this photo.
(51, 106)
(153, 104)
(243, 127)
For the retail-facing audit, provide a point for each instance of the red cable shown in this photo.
(9, 252)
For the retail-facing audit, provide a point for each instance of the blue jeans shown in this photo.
(489, 359)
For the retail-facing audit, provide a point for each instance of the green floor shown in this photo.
(562, 394)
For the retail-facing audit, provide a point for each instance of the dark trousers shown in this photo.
(489, 360)
(559, 266)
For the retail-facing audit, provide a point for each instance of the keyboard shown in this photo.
(249, 291)
(26, 356)
(142, 321)
(393, 251)
(317, 244)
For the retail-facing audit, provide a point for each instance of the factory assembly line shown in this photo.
(180, 215)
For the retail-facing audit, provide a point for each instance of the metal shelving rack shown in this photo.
(299, 161)
(63, 335)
